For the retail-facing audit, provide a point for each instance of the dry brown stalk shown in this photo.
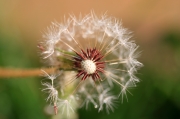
(13, 73)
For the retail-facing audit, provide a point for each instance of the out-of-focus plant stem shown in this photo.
(14, 73)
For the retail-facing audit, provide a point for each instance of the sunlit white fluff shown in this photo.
(107, 35)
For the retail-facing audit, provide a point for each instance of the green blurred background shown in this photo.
(156, 28)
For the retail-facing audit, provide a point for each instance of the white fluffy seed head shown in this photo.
(89, 66)
(105, 34)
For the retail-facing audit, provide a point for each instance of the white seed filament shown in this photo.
(89, 66)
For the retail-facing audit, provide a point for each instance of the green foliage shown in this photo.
(20, 98)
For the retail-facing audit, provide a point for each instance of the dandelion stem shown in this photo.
(13, 73)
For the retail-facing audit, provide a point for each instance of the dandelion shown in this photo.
(98, 55)
(49, 88)
(107, 99)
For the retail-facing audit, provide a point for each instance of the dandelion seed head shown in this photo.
(98, 51)
(89, 66)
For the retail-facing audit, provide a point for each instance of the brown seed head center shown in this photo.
(89, 64)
